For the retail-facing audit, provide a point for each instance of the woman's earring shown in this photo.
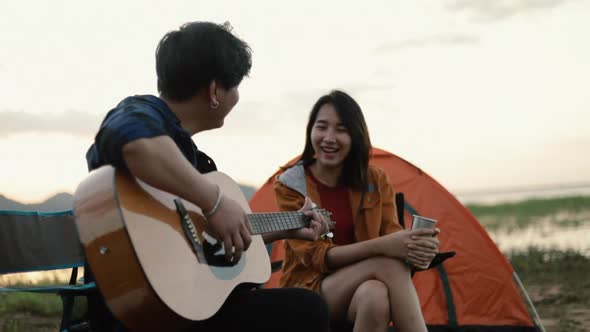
(214, 104)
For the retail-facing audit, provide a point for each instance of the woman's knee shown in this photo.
(371, 299)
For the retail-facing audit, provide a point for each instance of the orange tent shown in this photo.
(477, 290)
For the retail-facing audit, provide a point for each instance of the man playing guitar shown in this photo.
(199, 69)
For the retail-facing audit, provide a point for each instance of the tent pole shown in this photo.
(536, 317)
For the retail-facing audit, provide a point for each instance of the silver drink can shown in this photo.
(422, 222)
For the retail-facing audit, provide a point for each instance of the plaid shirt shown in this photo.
(139, 117)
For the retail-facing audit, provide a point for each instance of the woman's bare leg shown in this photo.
(339, 288)
(369, 307)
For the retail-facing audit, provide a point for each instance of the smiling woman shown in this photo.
(363, 270)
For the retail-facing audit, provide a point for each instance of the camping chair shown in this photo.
(33, 241)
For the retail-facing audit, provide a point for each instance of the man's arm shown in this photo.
(159, 163)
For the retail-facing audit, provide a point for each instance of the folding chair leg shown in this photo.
(68, 303)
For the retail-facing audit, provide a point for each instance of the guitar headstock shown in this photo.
(327, 215)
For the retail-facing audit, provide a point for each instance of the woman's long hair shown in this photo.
(355, 165)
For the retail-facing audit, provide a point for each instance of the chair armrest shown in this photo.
(438, 259)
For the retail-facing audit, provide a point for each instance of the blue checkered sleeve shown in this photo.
(126, 125)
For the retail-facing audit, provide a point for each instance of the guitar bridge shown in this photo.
(190, 231)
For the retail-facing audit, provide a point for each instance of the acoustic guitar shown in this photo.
(153, 260)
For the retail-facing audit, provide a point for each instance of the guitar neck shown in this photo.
(276, 221)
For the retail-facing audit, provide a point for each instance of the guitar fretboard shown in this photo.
(276, 221)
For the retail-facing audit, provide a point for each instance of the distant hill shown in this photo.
(59, 202)
(64, 201)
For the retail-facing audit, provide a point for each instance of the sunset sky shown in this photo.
(479, 94)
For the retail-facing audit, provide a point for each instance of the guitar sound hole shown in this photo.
(215, 255)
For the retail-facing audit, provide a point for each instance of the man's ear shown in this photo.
(213, 93)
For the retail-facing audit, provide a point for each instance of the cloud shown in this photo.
(439, 40)
(494, 10)
(69, 122)
(356, 89)
(307, 98)
(249, 117)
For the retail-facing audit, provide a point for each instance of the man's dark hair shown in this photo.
(190, 58)
(356, 164)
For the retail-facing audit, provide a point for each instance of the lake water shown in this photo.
(543, 235)
(513, 195)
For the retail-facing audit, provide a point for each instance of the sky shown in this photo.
(478, 94)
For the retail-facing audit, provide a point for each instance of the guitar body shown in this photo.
(143, 261)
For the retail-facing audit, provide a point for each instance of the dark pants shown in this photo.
(279, 309)
(260, 310)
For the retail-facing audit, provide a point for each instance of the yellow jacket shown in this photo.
(305, 261)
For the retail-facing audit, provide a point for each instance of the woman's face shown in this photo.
(329, 138)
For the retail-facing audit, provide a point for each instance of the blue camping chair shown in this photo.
(33, 241)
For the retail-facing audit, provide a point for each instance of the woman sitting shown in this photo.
(363, 271)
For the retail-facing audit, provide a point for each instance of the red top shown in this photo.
(336, 200)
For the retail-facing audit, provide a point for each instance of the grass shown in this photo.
(29, 312)
(539, 265)
(43, 305)
(558, 285)
(23, 311)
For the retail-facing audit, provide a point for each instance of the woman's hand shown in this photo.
(417, 247)
(423, 248)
